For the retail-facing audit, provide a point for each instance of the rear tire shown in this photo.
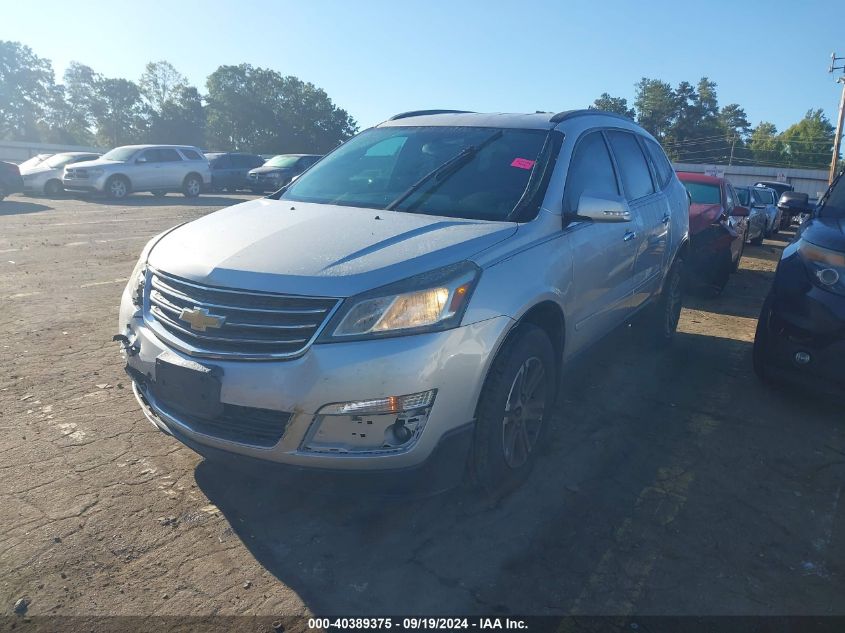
(513, 410)
(192, 186)
(117, 187)
(757, 241)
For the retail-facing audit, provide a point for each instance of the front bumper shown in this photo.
(805, 318)
(453, 362)
(85, 185)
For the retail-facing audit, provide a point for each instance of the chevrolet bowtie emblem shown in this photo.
(200, 320)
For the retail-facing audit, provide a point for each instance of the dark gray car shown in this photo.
(279, 171)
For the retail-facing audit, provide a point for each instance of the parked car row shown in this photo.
(159, 169)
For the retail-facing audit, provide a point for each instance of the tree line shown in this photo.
(243, 108)
(693, 128)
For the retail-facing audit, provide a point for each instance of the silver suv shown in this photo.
(155, 168)
(405, 307)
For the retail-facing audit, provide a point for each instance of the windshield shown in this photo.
(120, 154)
(763, 196)
(703, 193)
(35, 160)
(833, 204)
(58, 160)
(380, 166)
(282, 161)
(742, 194)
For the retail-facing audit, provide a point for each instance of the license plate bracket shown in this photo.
(188, 387)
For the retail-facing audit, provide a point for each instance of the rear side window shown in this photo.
(190, 154)
(221, 162)
(636, 177)
(661, 163)
(168, 155)
(590, 171)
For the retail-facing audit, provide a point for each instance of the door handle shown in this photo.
(666, 219)
(629, 235)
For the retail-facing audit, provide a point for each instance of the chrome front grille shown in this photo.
(239, 324)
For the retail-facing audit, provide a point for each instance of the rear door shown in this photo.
(603, 254)
(173, 168)
(648, 207)
(144, 171)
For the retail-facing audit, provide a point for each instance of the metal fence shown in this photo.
(17, 152)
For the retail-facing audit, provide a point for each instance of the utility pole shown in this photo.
(733, 144)
(837, 139)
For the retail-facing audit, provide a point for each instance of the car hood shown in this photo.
(270, 170)
(825, 232)
(316, 249)
(702, 215)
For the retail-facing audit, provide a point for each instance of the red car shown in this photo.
(718, 226)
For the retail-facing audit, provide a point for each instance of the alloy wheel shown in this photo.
(524, 412)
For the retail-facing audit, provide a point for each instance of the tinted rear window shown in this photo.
(190, 154)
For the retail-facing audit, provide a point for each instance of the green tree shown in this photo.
(181, 119)
(257, 109)
(26, 86)
(764, 144)
(808, 143)
(617, 105)
(160, 83)
(655, 103)
(119, 113)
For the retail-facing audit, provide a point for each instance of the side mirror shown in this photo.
(740, 212)
(602, 209)
(141, 159)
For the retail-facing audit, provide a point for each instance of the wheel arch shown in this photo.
(192, 173)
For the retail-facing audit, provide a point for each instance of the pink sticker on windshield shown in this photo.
(522, 163)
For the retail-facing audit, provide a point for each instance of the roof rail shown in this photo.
(571, 114)
(405, 115)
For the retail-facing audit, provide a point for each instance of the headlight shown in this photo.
(826, 267)
(429, 302)
(137, 281)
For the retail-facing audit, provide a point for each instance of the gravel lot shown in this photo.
(674, 483)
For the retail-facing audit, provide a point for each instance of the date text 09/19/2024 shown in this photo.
(479, 623)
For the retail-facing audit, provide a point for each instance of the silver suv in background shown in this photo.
(405, 307)
(156, 168)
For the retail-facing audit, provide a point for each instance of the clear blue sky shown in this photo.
(376, 58)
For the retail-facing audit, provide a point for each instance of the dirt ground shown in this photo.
(674, 483)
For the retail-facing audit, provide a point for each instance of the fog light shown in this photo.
(802, 358)
(828, 276)
(390, 404)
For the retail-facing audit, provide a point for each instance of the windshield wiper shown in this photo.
(446, 169)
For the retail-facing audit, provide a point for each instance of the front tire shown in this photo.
(513, 410)
(761, 342)
(117, 187)
(192, 186)
(53, 188)
(668, 312)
